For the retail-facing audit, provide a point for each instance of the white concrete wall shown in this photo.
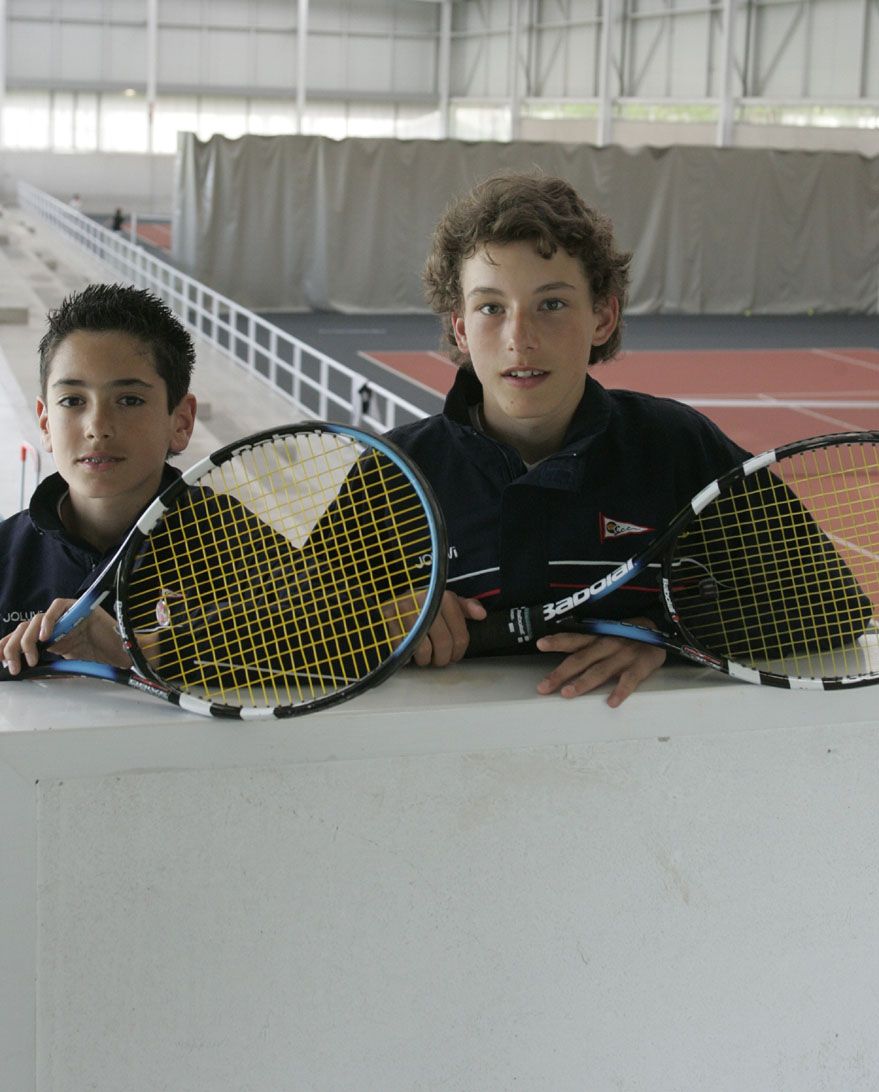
(449, 883)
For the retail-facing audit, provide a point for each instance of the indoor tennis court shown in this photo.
(445, 878)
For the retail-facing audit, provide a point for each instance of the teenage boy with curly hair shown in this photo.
(547, 480)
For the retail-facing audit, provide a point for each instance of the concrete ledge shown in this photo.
(448, 882)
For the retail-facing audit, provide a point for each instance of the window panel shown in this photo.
(173, 115)
(225, 116)
(26, 120)
(122, 125)
(63, 128)
(272, 117)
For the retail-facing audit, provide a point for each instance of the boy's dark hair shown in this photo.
(124, 309)
(512, 208)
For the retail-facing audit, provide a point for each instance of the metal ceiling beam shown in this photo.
(301, 61)
(152, 62)
(726, 114)
(605, 98)
(444, 68)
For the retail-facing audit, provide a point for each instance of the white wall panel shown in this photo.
(179, 56)
(30, 51)
(193, 12)
(810, 49)
(480, 64)
(789, 51)
(274, 60)
(580, 66)
(82, 54)
(566, 64)
(667, 58)
(369, 65)
(229, 14)
(34, 9)
(326, 62)
(133, 10)
(329, 17)
(769, 77)
(378, 19)
(227, 60)
(414, 66)
(272, 13)
(125, 56)
(686, 56)
(833, 52)
(84, 9)
(551, 72)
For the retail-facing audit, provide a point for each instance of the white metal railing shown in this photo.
(315, 384)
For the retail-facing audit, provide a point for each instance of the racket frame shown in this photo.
(562, 614)
(145, 677)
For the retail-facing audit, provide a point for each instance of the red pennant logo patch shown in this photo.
(618, 528)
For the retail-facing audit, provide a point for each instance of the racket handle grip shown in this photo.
(506, 631)
(7, 676)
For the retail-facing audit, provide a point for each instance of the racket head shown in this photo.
(286, 572)
(775, 577)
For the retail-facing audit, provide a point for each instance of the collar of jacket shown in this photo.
(43, 507)
(590, 419)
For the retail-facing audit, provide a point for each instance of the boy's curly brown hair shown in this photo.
(532, 207)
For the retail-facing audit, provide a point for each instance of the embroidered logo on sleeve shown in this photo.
(617, 528)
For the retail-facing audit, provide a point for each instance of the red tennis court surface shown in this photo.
(762, 398)
(156, 233)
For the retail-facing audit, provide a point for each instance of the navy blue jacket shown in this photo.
(41, 561)
(629, 463)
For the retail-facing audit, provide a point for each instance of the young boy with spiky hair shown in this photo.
(547, 480)
(114, 404)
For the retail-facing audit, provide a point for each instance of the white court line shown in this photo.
(838, 422)
(808, 407)
(766, 401)
(854, 546)
(442, 359)
(843, 359)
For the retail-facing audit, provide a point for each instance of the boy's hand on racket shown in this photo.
(23, 643)
(95, 638)
(593, 660)
(447, 639)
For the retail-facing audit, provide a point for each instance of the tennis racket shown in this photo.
(770, 573)
(283, 573)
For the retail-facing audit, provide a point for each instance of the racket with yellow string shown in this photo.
(284, 573)
(770, 573)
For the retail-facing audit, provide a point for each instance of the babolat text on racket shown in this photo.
(770, 573)
(283, 573)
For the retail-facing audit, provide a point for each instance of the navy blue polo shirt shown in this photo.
(41, 561)
(519, 535)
